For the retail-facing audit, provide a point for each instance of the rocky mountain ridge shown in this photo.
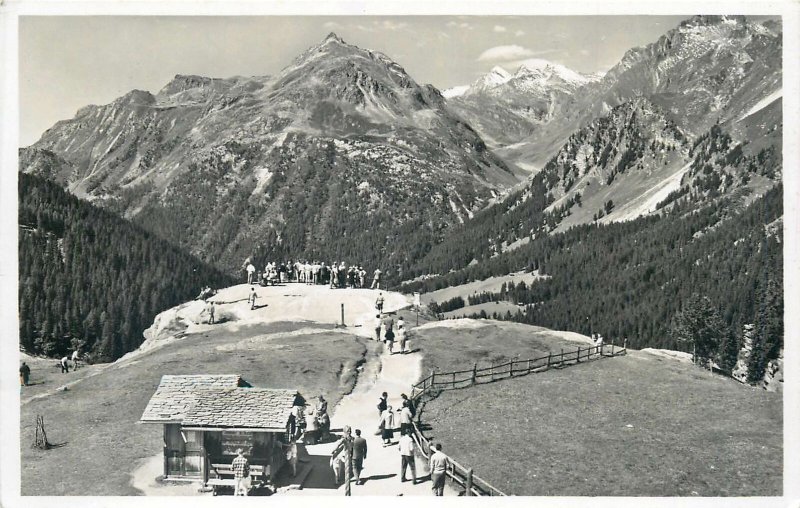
(339, 144)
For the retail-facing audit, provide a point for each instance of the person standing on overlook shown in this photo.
(251, 272)
(24, 374)
(376, 279)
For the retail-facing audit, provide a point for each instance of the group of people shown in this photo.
(336, 274)
(347, 458)
(66, 362)
(385, 331)
(310, 423)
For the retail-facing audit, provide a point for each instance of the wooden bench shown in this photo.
(225, 477)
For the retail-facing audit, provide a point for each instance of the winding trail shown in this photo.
(393, 374)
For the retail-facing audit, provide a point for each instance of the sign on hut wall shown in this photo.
(234, 439)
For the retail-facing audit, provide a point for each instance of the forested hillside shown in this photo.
(632, 280)
(91, 280)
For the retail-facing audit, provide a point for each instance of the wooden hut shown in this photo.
(206, 418)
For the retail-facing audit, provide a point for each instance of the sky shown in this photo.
(67, 62)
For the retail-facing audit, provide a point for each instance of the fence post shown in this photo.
(561, 363)
(625, 343)
(454, 379)
(492, 371)
(529, 366)
(342, 315)
(511, 369)
(474, 372)
(612, 349)
(549, 357)
(433, 374)
(468, 485)
(578, 356)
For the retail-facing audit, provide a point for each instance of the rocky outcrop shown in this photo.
(740, 370)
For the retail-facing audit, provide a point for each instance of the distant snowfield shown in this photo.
(763, 103)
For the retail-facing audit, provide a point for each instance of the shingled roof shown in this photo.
(175, 394)
(262, 408)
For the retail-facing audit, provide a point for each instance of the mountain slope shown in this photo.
(506, 108)
(91, 280)
(709, 69)
(339, 145)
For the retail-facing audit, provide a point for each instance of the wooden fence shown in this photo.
(437, 381)
(471, 484)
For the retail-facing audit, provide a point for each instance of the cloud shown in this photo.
(391, 25)
(510, 52)
(499, 28)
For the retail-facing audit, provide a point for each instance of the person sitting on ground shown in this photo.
(241, 473)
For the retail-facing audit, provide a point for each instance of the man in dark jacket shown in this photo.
(359, 455)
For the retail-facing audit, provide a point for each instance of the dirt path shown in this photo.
(393, 374)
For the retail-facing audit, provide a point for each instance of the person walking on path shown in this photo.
(252, 298)
(409, 404)
(359, 455)
(405, 418)
(251, 271)
(401, 336)
(406, 446)
(389, 334)
(378, 325)
(438, 466)
(379, 303)
(65, 365)
(24, 374)
(291, 456)
(241, 473)
(345, 446)
(383, 403)
(387, 426)
(211, 313)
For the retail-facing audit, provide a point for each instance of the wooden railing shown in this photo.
(471, 484)
(437, 381)
(465, 478)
